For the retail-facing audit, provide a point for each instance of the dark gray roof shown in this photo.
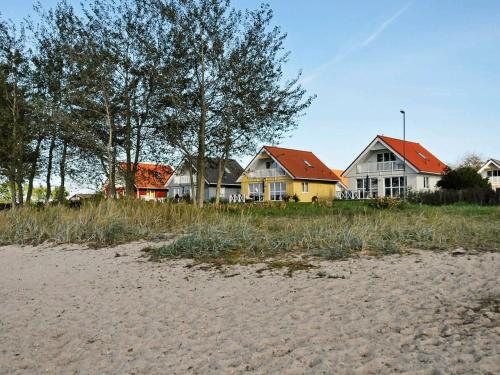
(231, 174)
(497, 161)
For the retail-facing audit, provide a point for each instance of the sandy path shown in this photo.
(87, 312)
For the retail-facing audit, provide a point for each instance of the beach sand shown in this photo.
(68, 310)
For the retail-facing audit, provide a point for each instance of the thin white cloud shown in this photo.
(357, 46)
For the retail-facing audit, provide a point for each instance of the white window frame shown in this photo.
(305, 187)
(426, 182)
(390, 156)
(277, 191)
(396, 190)
(373, 188)
(259, 193)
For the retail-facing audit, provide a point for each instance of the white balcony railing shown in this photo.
(384, 166)
(183, 180)
(263, 173)
(355, 194)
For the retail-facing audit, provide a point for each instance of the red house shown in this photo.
(150, 181)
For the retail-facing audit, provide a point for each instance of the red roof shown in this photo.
(301, 164)
(152, 176)
(416, 155)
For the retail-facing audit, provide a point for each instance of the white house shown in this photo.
(380, 169)
(491, 170)
(180, 183)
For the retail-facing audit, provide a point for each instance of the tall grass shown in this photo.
(329, 230)
(99, 224)
(335, 236)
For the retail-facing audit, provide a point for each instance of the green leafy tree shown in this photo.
(5, 196)
(17, 128)
(257, 104)
(55, 38)
(463, 178)
(228, 92)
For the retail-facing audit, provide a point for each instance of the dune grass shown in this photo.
(99, 224)
(336, 236)
(233, 232)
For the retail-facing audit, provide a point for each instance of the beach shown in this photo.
(72, 310)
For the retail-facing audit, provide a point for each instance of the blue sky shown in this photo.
(366, 60)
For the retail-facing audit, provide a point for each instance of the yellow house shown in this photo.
(275, 173)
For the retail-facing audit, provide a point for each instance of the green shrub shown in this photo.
(482, 196)
(463, 178)
(386, 203)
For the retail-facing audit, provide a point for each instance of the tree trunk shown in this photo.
(129, 168)
(192, 194)
(62, 174)
(34, 166)
(220, 174)
(20, 191)
(13, 192)
(112, 173)
(48, 193)
(222, 164)
(111, 153)
(200, 166)
(129, 175)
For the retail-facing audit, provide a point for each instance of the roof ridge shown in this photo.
(290, 149)
(399, 139)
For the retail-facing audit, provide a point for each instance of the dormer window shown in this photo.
(227, 170)
(308, 164)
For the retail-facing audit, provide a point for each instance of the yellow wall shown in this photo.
(323, 190)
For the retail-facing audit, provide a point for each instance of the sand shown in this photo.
(68, 310)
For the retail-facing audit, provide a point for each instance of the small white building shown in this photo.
(491, 170)
(380, 169)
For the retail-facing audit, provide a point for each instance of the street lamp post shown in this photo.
(404, 153)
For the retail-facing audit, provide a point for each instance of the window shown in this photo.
(426, 182)
(268, 164)
(386, 156)
(227, 170)
(489, 173)
(308, 164)
(305, 187)
(394, 187)
(421, 155)
(277, 191)
(370, 191)
(176, 192)
(256, 192)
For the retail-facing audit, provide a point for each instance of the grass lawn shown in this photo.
(233, 233)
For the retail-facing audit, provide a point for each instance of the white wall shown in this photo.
(415, 180)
